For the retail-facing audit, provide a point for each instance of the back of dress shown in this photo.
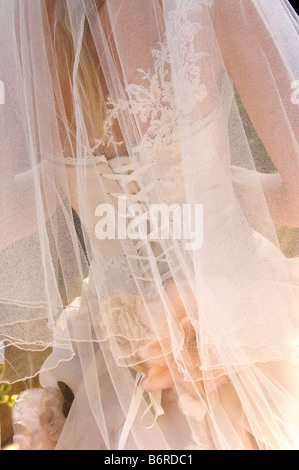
(139, 241)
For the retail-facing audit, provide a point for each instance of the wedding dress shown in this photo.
(177, 339)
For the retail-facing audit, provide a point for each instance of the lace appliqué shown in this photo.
(182, 32)
(155, 104)
(108, 126)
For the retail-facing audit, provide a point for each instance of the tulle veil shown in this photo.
(114, 114)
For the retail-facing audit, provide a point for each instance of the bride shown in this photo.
(116, 110)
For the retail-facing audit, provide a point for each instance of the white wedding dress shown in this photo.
(162, 348)
(171, 426)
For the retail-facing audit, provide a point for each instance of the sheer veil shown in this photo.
(141, 263)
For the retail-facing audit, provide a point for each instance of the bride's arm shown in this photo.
(283, 208)
(264, 86)
(19, 190)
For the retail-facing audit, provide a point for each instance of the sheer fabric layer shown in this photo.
(166, 341)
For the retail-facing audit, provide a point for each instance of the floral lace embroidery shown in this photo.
(155, 104)
(181, 37)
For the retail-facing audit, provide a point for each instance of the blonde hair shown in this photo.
(89, 86)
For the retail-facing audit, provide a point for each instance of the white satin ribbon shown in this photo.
(155, 403)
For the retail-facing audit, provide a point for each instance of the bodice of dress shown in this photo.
(167, 177)
(175, 173)
(123, 258)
